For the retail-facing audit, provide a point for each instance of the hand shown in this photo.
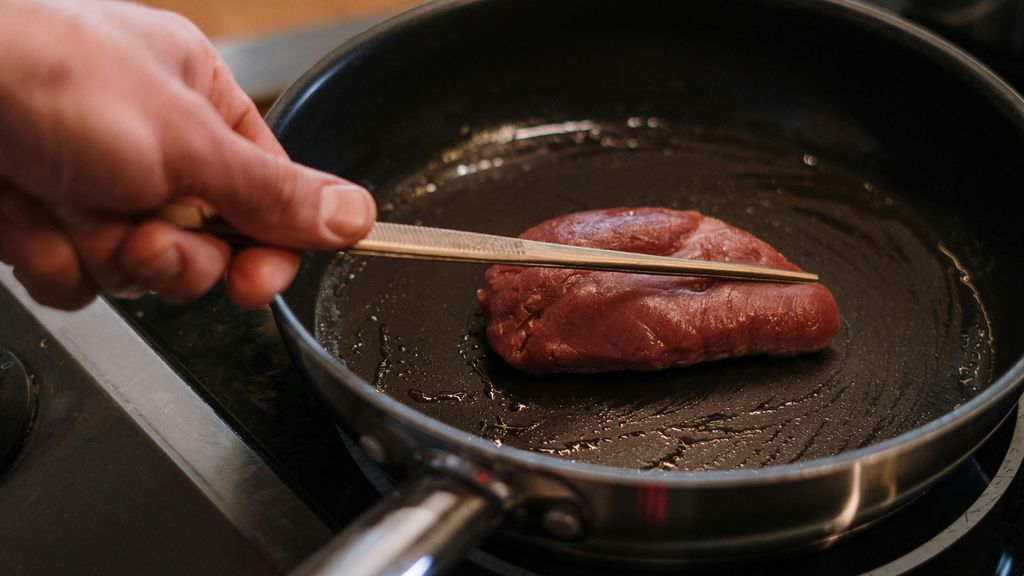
(109, 110)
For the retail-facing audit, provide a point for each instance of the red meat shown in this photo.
(560, 320)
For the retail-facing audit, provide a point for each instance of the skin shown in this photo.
(110, 110)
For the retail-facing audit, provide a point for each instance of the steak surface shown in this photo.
(561, 320)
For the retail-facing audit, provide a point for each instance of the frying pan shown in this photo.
(865, 149)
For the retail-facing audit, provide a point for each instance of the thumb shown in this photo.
(278, 202)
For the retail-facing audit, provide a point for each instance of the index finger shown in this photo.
(240, 112)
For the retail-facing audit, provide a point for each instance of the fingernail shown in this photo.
(128, 292)
(166, 266)
(345, 210)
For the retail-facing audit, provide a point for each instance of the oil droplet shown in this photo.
(500, 428)
(357, 346)
(420, 396)
(385, 362)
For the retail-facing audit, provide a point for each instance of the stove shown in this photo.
(182, 440)
(142, 437)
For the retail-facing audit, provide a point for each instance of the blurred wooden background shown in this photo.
(223, 19)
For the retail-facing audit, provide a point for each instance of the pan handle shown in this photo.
(423, 527)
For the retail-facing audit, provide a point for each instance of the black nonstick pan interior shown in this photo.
(914, 344)
(854, 167)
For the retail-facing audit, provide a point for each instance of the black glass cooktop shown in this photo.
(237, 362)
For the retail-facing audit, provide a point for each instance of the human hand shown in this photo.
(109, 110)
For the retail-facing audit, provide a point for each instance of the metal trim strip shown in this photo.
(231, 475)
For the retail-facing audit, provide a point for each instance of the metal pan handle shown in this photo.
(424, 527)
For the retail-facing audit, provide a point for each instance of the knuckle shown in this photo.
(198, 55)
(284, 194)
(277, 197)
(230, 107)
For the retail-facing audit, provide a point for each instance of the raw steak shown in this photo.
(560, 320)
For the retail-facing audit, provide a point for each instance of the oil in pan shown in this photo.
(915, 341)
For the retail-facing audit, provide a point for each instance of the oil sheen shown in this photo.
(915, 342)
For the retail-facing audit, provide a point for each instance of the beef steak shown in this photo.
(561, 320)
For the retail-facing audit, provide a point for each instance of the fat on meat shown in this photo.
(544, 320)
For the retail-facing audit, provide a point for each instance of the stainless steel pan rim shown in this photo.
(1005, 386)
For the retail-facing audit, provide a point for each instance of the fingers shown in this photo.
(180, 266)
(100, 153)
(274, 200)
(66, 266)
(284, 204)
(44, 258)
(239, 111)
(55, 281)
(98, 239)
(271, 199)
(92, 252)
(260, 273)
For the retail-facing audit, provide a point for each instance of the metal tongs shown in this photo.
(392, 240)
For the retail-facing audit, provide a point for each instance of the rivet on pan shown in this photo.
(374, 448)
(501, 490)
(562, 523)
